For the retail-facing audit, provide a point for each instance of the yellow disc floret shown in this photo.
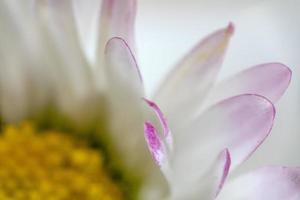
(51, 165)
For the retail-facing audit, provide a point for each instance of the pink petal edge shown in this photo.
(119, 16)
(270, 80)
(245, 121)
(121, 41)
(270, 129)
(225, 157)
(160, 116)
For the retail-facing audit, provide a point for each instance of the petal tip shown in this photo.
(115, 42)
(150, 103)
(230, 28)
(287, 72)
(284, 68)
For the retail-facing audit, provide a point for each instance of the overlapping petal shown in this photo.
(240, 123)
(49, 62)
(184, 187)
(72, 75)
(208, 185)
(269, 80)
(87, 17)
(124, 100)
(276, 183)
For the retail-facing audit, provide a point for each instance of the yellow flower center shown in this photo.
(51, 165)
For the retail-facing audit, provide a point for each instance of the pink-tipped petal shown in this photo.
(155, 144)
(274, 183)
(117, 20)
(269, 80)
(239, 123)
(191, 79)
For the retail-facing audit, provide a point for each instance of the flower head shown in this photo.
(72, 111)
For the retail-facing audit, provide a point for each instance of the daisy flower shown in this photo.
(72, 115)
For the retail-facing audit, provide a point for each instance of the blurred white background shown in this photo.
(266, 31)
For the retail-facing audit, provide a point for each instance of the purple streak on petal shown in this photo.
(160, 115)
(225, 158)
(154, 143)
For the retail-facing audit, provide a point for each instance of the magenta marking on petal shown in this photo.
(161, 117)
(225, 155)
(154, 143)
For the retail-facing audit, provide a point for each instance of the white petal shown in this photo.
(87, 16)
(186, 86)
(117, 20)
(125, 92)
(208, 185)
